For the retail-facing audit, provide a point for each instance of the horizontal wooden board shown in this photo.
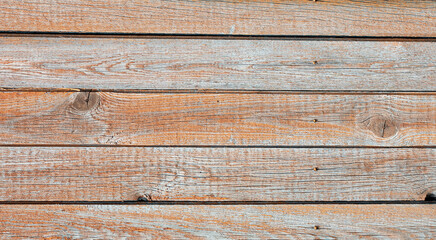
(416, 18)
(216, 64)
(217, 119)
(219, 222)
(215, 174)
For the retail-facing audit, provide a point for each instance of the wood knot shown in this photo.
(86, 101)
(145, 198)
(381, 124)
(430, 197)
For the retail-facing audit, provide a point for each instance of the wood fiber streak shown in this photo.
(219, 222)
(215, 174)
(414, 18)
(217, 119)
(216, 64)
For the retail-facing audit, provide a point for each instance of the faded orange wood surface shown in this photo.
(217, 119)
(206, 222)
(216, 64)
(300, 17)
(215, 174)
(220, 114)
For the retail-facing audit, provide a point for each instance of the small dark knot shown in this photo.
(144, 198)
(430, 197)
(85, 101)
(381, 124)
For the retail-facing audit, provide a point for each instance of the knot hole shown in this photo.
(430, 197)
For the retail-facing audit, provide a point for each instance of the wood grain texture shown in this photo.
(219, 222)
(216, 64)
(215, 174)
(415, 18)
(217, 119)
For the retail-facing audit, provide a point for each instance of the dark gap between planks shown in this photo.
(205, 146)
(228, 91)
(213, 202)
(212, 36)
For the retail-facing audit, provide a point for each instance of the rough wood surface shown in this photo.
(216, 64)
(219, 222)
(277, 17)
(215, 174)
(217, 119)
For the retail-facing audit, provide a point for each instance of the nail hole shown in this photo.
(430, 197)
(315, 62)
(315, 120)
(315, 169)
(316, 227)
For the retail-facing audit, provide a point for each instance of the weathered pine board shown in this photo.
(217, 119)
(215, 174)
(216, 64)
(219, 222)
(416, 18)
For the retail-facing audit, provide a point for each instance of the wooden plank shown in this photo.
(217, 119)
(216, 64)
(215, 174)
(300, 17)
(219, 222)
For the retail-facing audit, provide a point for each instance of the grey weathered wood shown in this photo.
(217, 119)
(219, 222)
(298, 17)
(216, 64)
(215, 174)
